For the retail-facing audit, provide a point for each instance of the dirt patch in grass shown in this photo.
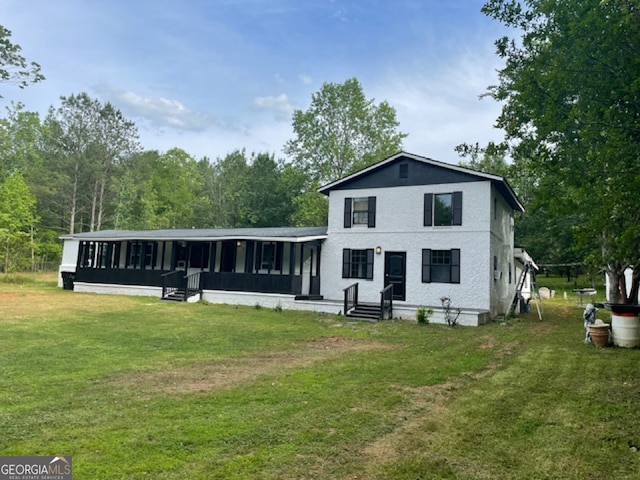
(230, 373)
(428, 409)
(426, 402)
(8, 294)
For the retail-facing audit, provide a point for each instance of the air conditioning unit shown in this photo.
(497, 274)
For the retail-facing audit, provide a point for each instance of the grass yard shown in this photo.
(135, 388)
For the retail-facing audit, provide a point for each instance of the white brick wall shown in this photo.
(399, 227)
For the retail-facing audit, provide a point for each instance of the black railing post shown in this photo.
(386, 302)
(350, 297)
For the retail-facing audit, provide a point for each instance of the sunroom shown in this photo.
(182, 263)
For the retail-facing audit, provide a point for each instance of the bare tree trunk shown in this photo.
(94, 204)
(6, 257)
(615, 274)
(101, 203)
(74, 199)
(635, 285)
(33, 252)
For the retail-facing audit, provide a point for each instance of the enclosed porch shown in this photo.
(280, 261)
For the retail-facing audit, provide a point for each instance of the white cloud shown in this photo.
(158, 111)
(280, 105)
(441, 109)
(305, 79)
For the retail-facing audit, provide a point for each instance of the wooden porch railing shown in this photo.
(386, 303)
(350, 297)
(193, 285)
(172, 282)
(177, 281)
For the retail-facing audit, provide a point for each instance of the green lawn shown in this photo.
(136, 388)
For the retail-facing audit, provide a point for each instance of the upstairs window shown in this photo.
(360, 211)
(442, 209)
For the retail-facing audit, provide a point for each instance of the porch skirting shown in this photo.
(468, 317)
(116, 289)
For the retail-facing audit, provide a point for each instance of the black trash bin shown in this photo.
(67, 280)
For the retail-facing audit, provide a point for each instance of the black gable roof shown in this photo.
(406, 169)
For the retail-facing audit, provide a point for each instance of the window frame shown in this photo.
(429, 214)
(428, 265)
(363, 268)
(350, 212)
(360, 215)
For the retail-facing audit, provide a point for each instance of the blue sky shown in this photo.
(212, 76)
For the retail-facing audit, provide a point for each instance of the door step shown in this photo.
(365, 311)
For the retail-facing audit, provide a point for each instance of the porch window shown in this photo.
(441, 266)
(360, 211)
(149, 255)
(135, 250)
(87, 254)
(442, 209)
(357, 263)
(269, 256)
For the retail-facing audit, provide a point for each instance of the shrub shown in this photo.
(423, 314)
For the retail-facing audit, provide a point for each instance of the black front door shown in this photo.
(395, 273)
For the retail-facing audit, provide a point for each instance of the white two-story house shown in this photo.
(407, 230)
(430, 229)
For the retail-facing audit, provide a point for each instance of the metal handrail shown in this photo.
(350, 297)
(193, 284)
(171, 282)
(386, 302)
(176, 281)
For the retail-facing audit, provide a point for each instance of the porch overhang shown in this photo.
(285, 234)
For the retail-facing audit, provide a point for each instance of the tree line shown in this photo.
(82, 168)
(570, 108)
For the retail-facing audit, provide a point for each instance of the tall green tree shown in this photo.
(18, 220)
(268, 203)
(159, 190)
(20, 133)
(342, 131)
(136, 203)
(14, 68)
(546, 234)
(571, 113)
(226, 185)
(85, 143)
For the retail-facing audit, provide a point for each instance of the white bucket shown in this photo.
(625, 330)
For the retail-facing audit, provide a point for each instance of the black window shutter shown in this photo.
(428, 209)
(346, 263)
(457, 208)
(370, 263)
(426, 265)
(371, 217)
(347, 213)
(455, 265)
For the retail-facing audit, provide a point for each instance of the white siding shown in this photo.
(399, 227)
(69, 258)
(502, 287)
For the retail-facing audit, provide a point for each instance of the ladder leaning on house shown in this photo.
(528, 267)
